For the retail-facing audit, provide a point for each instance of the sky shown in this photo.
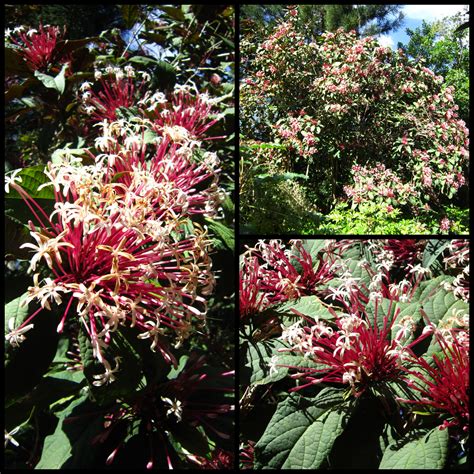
(414, 16)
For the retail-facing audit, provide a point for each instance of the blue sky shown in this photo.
(414, 16)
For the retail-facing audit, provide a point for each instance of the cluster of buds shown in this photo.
(120, 243)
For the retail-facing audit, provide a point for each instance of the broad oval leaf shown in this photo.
(424, 450)
(301, 433)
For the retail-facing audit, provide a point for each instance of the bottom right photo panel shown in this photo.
(354, 353)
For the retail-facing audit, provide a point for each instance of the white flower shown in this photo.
(89, 109)
(273, 365)
(176, 133)
(419, 270)
(8, 32)
(158, 97)
(15, 336)
(18, 29)
(9, 437)
(11, 179)
(85, 86)
(146, 77)
(154, 332)
(104, 143)
(176, 407)
(129, 70)
(97, 75)
(46, 246)
(31, 32)
(108, 376)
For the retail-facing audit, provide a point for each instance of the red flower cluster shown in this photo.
(38, 48)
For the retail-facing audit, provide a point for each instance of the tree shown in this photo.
(357, 119)
(444, 48)
(314, 19)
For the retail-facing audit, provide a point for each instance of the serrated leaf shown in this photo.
(424, 450)
(258, 358)
(300, 434)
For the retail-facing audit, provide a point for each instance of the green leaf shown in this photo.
(314, 247)
(423, 450)
(48, 391)
(223, 233)
(301, 433)
(129, 375)
(433, 249)
(174, 12)
(31, 179)
(158, 38)
(191, 439)
(130, 14)
(70, 446)
(258, 358)
(142, 60)
(68, 46)
(310, 306)
(58, 82)
(33, 356)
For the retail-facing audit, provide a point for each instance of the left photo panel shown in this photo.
(119, 236)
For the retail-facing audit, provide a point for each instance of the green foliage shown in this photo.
(302, 432)
(444, 49)
(426, 450)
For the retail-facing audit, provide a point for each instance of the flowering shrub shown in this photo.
(364, 123)
(124, 229)
(375, 357)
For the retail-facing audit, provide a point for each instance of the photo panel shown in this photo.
(120, 126)
(354, 353)
(342, 132)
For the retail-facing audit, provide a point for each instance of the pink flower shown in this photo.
(39, 48)
(172, 404)
(279, 278)
(445, 224)
(443, 384)
(251, 299)
(357, 353)
(215, 79)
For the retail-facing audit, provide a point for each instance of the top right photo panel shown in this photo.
(354, 119)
